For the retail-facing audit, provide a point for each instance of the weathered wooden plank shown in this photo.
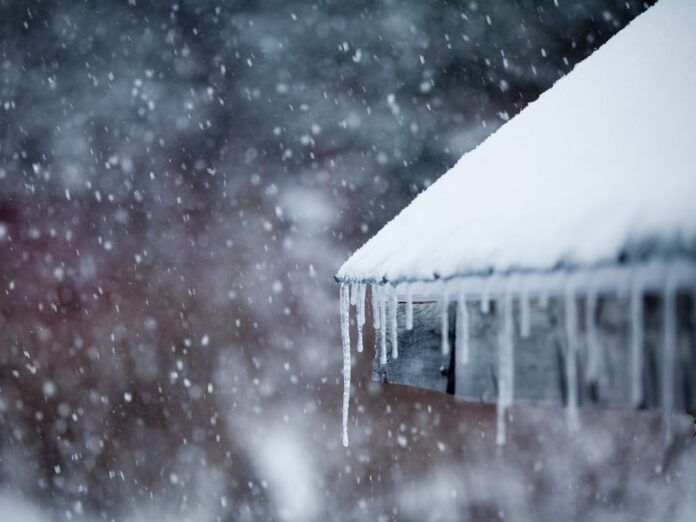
(540, 359)
(420, 362)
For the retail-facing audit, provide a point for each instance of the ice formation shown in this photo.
(360, 314)
(636, 341)
(571, 326)
(345, 338)
(582, 208)
(409, 307)
(382, 298)
(444, 321)
(569, 288)
(506, 366)
(461, 337)
(669, 330)
(594, 357)
(393, 308)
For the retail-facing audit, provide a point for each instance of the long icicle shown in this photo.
(345, 338)
(593, 351)
(506, 367)
(374, 294)
(360, 316)
(485, 295)
(354, 293)
(669, 332)
(462, 327)
(571, 326)
(393, 309)
(383, 329)
(409, 307)
(444, 321)
(524, 310)
(636, 343)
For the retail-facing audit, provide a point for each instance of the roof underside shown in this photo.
(601, 165)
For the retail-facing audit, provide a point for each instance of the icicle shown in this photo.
(353, 293)
(360, 309)
(500, 423)
(593, 353)
(571, 325)
(409, 307)
(543, 293)
(393, 309)
(524, 311)
(383, 329)
(636, 343)
(444, 321)
(506, 367)
(669, 329)
(485, 295)
(462, 328)
(374, 294)
(345, 338)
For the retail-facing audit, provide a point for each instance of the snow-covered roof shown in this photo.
(602, 164)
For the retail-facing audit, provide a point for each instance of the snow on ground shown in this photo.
(601, 162)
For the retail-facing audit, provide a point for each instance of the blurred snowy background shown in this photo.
(178, 184)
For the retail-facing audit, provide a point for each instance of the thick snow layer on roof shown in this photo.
(602, 161)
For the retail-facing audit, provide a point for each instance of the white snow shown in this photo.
(601, 161)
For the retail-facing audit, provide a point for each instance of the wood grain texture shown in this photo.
(540, 359)
(420, 362)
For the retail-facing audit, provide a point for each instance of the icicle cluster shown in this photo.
(569, 287)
